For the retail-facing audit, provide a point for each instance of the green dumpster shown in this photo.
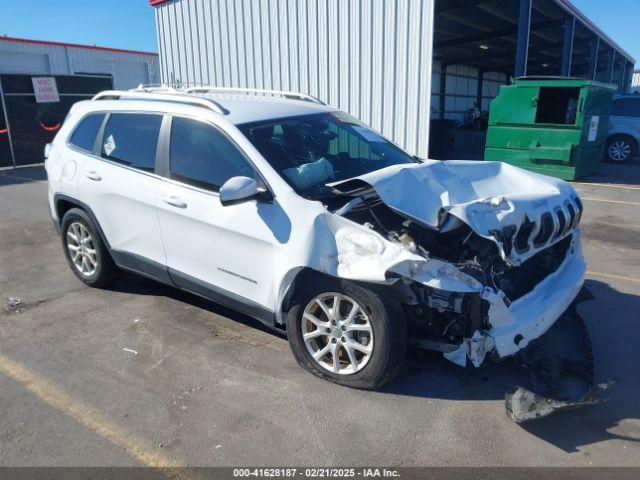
(555, 126)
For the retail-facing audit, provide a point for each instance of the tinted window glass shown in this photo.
(132, 139)
(626, 107)
(85, 133)
(202, 156)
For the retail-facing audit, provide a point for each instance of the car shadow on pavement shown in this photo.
(138, 285)
(14, 176)
(611, 318)
(623, 174)
(612, 321)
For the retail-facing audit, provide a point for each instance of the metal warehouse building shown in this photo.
(395, 64)
(128, 68)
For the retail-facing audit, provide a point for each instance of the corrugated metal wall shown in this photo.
(128, 69)
(461, 90)
(371, 58)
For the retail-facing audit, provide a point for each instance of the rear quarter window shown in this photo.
(84, 136)
(132, 139)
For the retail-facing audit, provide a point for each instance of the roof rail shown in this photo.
(164, 96)
(295, 95)
(166, 86)
(157, 87)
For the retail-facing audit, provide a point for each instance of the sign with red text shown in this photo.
(45, 89)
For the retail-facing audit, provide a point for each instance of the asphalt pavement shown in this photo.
(142, 374)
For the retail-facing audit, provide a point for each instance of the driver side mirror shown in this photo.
(242, 189)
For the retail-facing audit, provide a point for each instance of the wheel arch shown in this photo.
(63, 203)
(634, 140)
(296, 276)
(287, 291)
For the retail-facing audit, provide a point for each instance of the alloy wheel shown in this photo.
(619, 151)
(337, 333)
(82, 249)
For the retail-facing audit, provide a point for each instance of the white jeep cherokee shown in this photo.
(297, 214)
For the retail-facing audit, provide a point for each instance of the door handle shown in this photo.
(93, 175)
(173, 201)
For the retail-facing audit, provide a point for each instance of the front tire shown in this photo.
(346, 333)
(620, 149)
(85, 251)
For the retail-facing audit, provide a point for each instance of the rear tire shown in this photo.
(378, 327)
(85, 251)
(620, 149)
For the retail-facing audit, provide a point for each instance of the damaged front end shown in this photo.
(485, 259)
(490, 255)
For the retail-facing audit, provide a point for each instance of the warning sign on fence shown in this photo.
(45, 89)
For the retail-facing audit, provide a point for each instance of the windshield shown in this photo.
(309, 151)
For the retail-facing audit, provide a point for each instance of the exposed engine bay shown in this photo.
(439, 316)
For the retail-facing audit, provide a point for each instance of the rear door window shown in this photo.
(132, 139)
(84, 136)
(202, 156)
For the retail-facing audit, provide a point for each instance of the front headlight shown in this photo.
(359, 243)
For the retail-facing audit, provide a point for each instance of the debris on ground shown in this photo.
(130, 351)
(14, 304)
(561, 371)
(523, 405)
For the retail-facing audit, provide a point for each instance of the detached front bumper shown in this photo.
(514, 325)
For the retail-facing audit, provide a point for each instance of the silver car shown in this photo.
(624, 129)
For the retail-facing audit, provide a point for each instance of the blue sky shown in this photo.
(130, 23)
(620, 19)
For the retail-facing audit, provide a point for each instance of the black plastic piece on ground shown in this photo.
(561, 370)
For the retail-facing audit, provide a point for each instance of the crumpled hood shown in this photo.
(521, 211)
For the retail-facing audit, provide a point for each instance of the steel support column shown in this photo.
(524, 28)
(623, 76)
(594, 45)
(443, 90)
(567, 46)
(611, 58)
(479, 91)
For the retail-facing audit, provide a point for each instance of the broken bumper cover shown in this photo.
(561, 372)
(515, 325)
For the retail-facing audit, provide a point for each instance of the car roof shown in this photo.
(255, 108)
(237, 106)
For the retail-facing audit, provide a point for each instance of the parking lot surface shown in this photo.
(141, 374)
